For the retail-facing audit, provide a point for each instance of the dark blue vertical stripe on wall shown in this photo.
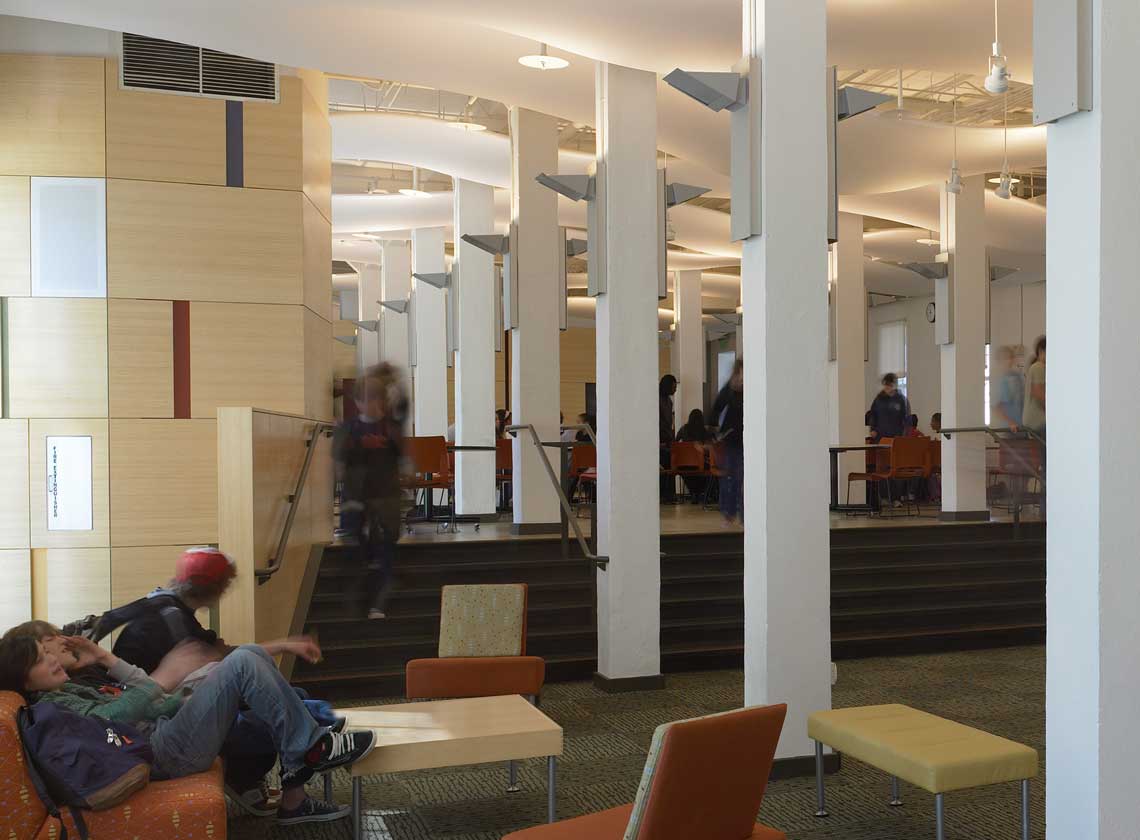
(235, 144)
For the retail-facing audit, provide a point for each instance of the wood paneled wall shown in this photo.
(217, 294)
(260, 455)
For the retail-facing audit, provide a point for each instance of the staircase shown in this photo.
(893, 591)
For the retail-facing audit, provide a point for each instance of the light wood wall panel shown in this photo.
(52, 116)
(343, 355)
(137, 570)
(140, 355)
(159, 137)
(15, 235)
(272, 139)
(16, 593)
(317, 244)
(246, 354)
(317, 141)
(259, 458)
(38, 432)
(192, 242)
(165, 482)
(57, 357)
(14, 514)
(70, 583)
(318, 366)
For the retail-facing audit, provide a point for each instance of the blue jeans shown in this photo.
(732, 483)
(190, 741)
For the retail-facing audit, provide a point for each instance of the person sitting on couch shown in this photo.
(187, 735)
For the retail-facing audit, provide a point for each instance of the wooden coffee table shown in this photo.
(447, 733)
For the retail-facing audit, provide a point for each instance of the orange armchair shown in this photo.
(182, 809)
(703, 778)
(482, 647)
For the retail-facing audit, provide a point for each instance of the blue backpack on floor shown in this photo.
(81, 762)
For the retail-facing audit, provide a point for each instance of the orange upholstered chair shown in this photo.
(183, 809)
(482, 647)
(704, 778)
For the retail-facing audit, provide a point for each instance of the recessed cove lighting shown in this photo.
(997, 180)
(542, 61)
(928, 241)
(371, 236)
(413, 193)
(464, 125)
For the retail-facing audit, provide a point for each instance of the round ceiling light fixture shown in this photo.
(414, 191)
(1013, 179)
(1005, 180)
(542, 61)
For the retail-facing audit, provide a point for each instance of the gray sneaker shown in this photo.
(312, 810)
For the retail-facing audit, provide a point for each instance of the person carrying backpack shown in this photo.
(186, 737)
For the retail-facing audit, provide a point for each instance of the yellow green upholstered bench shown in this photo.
(930, 752)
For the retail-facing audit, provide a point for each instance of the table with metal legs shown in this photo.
(449, 733)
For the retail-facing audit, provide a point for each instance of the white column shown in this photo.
(368, 309)
(964, 360)
(473, 284)
(1093, 388)
(689, 337)
(629, 591)
(430, 372)
(787, 638)
(849, 397)
(535, 377)
(395, 283)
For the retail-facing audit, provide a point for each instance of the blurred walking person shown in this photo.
(367, 450)
(729, 413)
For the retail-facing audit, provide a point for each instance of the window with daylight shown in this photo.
(892, 351)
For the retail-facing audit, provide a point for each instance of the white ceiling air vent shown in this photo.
(158, 65)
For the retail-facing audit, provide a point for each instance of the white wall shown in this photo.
(1017, 316)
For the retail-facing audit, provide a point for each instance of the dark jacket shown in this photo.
(888, 415)
(664, 420)
(728, 413)
(368, 453)
(147, 639)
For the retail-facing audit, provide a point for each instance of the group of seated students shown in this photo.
(192, 696)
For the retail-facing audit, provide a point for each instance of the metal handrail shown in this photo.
(600, 561)
(995, 433)
(278, 558)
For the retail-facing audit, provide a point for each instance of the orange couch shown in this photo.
(193, 808)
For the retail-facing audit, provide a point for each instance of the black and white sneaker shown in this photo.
(312, 810)
(338, 724)
(339, 749)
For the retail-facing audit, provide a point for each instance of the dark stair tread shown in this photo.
(933, 586)
(905, 609)
(965, 564)
(972, 545)
(919, 632)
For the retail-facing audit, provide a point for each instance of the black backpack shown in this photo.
(79, 762)
(96, 627)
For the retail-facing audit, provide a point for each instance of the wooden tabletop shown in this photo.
(446, 733)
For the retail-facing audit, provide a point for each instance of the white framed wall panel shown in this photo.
(69, 237)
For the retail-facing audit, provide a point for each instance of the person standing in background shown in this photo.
(890, 411)
(666, 388)
(1011, 391)
(729, 411)
(1033, 413)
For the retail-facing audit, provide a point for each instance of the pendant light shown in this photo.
(542, 61)
(954, 185)
(1004, 179)
(415, 191)
(997, 81)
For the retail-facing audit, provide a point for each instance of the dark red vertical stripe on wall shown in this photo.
(182, 359)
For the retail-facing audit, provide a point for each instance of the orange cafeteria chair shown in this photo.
(181, 809)
(482, 647)
(878, 462)
(704, 778)
(584, 465)
(504, 467)
(431, 469)
(686, 458)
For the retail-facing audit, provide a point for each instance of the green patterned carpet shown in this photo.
(1000, 691)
